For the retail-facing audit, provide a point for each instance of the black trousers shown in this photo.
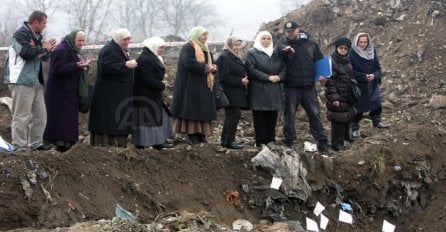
(339, 133)
(374, 114)
(264, 126)
(232, 117)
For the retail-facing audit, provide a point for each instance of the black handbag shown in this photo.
(221, 101)
(354, 93)
(84, 96)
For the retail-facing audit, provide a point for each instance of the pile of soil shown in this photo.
(396, 175)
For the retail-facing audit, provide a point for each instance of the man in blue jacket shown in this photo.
(24, 76)
(299, 53)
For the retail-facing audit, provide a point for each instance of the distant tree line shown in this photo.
(144, 18)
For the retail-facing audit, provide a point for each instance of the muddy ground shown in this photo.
(396, 175)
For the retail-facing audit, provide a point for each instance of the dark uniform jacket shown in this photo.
(300, 65)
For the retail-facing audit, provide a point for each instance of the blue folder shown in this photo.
(322, 68)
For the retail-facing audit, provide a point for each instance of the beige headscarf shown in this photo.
(153, 44)
(230, 44)
(258, 44)
(200, 48)
(120, 34)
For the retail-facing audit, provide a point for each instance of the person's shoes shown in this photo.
(193, 139)
(338, 148)
(288, 143)
(163, 146)
(381, 125)
(349, 139)
(202, 138)
(62, 148)
(233, 145)
(44, 147)
(323, 147)
(139, 147)
(19, 150)
(355, 134)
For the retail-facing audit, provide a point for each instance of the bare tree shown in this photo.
(93, 16)
(182, 15)
(25, 7)
(140, 17)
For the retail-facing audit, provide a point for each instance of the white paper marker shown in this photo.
(345, 217)
(324, 222)
(388, 227)
(312, 225)
(276, 182)
(318, 209)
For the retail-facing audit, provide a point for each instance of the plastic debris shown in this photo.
(346, 207)
(310, 147)
(124, 214)
(233, 198)
(26, 186)
(242, 224)
(5, 146)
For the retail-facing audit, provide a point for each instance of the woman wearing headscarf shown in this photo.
(110, 113)
(232, 75)
(152, 124)
(265, 93)
(193, 105)
(340, 110)
(62, 91)
(367, 72)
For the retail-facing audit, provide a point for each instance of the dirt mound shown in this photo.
(397, 174)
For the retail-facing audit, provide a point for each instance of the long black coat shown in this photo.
(370, 90)
(231, 70)
(336, 89)
(62, 95)
(192, 99)
(111, 107)
(262, 93)
(147, 89)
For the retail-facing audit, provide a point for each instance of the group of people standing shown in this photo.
(127, 95)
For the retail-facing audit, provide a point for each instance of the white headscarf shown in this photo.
(120, 34)
(369, 52)
(257, 43)
(153, 43)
